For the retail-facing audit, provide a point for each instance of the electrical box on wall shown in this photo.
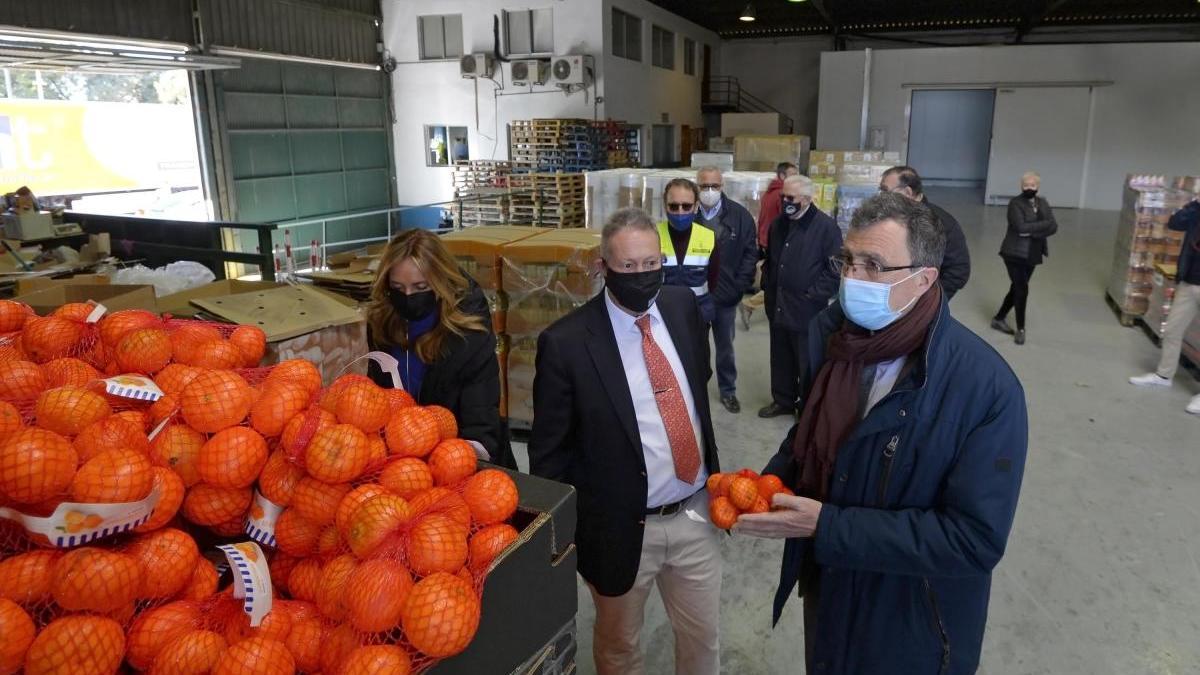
(572, 69)
(530, 71)
(476, 65)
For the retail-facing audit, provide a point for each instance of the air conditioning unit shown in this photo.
(476, 65)
(531, 71)
(571, 69)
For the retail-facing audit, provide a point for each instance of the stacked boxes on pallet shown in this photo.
(551, 145)
(545, 277)
(548, 199)
(477, 250)
(482, 189)
(615, 145)
(1143, 240)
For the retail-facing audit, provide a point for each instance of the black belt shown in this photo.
(672, 508)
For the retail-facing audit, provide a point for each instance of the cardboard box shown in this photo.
(764, 153)
(28, 225)
(530, 592)
(740, 124)
(300, 322)
(114, 297)
(180, 304)
(33, 284)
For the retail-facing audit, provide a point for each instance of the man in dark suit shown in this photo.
(798, 280)
(738, 245)
(621, 413)
(956, 265)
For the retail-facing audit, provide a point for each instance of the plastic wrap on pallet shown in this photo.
(849, 198)
(764, 153)
(1143, 239)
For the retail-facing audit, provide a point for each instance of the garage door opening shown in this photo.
(102, 143)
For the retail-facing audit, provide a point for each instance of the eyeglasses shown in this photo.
(842, 265)
(710, 186)
(680, 208)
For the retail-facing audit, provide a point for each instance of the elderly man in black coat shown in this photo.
(956, 265)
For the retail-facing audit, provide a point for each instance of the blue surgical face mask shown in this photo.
(868, 303)
(680, 221)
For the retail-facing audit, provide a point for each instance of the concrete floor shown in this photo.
(1102, 573)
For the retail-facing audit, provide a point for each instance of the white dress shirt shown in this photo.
(662, 485)
(886, 374)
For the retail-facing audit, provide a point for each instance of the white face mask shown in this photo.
(709, 198)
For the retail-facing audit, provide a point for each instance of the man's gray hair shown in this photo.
(630, 217)
(708, 168)
(926, 237)
(805, 183)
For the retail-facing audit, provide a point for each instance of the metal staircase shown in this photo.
(725, 94)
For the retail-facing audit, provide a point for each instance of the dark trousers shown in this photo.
(789, 359)
(722, 332)
(1018, 293)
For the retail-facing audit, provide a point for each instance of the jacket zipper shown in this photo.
(889, 455)
(941, 627)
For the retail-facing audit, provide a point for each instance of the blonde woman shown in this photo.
(1030, 222)
(435, 320)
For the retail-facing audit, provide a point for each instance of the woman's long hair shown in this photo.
(446, 281)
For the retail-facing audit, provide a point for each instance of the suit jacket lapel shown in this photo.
(602, 347)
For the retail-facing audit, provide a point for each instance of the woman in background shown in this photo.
(434, 320)
(1030, 222)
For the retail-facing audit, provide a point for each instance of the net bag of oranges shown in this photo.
(732, 494)
(380, 518)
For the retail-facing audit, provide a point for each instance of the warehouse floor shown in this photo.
(1102, 573)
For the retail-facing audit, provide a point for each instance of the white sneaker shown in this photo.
(1194, 406)
(1150, 380)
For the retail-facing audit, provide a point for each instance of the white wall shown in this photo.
(784, 73)
(1146, 121)
(641, 93)
(432, 92)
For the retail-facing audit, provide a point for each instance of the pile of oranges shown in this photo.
(732, 494)
(386, 532)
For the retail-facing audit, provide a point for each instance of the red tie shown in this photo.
(671, 407)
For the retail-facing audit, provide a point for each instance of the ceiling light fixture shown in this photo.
(803, 0)
(748, 13)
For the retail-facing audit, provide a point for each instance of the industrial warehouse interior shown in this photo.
(600, 337)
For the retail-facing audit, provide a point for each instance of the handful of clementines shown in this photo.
(732, 494)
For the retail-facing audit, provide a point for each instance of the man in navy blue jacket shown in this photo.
(907, 462)
(797, 282)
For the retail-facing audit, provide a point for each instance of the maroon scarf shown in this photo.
(831, 410)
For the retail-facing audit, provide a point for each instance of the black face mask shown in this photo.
(413, 307)
(1029, 194)
(634, 290)
(792, 209)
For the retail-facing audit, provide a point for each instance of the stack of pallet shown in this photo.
(615, 145)
(1143, 241)
(551, 145)
(548, 199)
(481, 189)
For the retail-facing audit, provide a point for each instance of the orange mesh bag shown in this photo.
(69, 372)
(77, 645)
(299, 370)
(167, 559)
(194, 652)
(145, 350)
(111, 433)
(187, 336)
(279, 477)
(318, 501)
(75, 311)
(67, 410)
(54, 337)
(16, 634)
(441, 615)
(216, 400)
(95, 579)
(447, 425)
(171, 491)
(177, 447)
(115, 326)
(21, 381)
(155, 628)
(216, 355)
(113, 477)
(174, 378)
(377, 660)
(412, 432)
(11, 421)
(338, 454)
(212, 506)
(453, 460)
(329, 398)
(251, 343)
(281, 400)
(364, 405)
(36, 465)
(232, 458)
(13, 315)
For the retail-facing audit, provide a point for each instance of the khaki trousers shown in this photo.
(683, 558)
(1184, 310)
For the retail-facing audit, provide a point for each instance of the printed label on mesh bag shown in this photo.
(74, 524)
(97, 313)
(136, 387)
(260, 525)
(251, 579)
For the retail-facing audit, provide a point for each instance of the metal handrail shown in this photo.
(728, 91)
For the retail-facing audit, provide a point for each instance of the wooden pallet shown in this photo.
(1125, 318)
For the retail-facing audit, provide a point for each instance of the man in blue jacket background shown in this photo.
(907, 462)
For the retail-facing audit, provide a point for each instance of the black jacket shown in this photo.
(797, 277)
(737, 241)
(1027, 231)
(956, 265)
(1187, 220)
(585, 429)
(466, 381)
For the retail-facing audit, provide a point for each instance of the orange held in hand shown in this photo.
(732, 494)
